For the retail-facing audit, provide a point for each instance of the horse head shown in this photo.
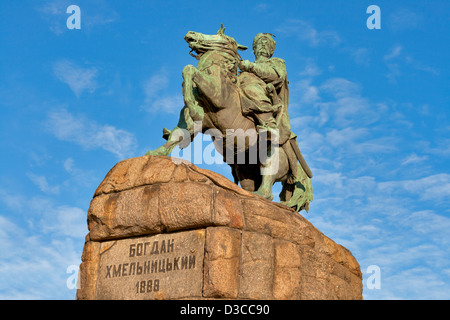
(201, 43)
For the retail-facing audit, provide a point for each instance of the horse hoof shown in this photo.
(166, 134)
(265, 195)
(161, 151)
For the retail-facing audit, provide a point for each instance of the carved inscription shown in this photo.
(164, 266)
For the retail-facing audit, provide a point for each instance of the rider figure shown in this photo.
(265, 94)
(258, 81)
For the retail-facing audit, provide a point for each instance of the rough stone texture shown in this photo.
(221, 275)
(253, 248)
(162, 266)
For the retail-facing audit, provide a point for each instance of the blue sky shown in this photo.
(370, 107)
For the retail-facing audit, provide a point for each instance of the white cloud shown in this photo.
(103, 16)
(78, 177)
(378, 222)
(68, 165)
(341, 87)
(434, 188)
(349, 106)
(306, 32)
(409, 60)
(345, 136)
(65, 221)
(404, 19)
(394, 53)
(363, 198)
(336, 99)
(432, 225)
(171, 104)
(12, 201)
(79, 79)
(394, 72)
(38, 247)
(413, 158)
(308, 93)
(51, 12)
(93, 14)
(311, 69)
(8, 229)
(42, 183)
(261, 7)
(36, 264)
(155, 84)
(90, 134)
(397, 58)
(156, 99)
(361, 56)
(393, 67)
(340, 128)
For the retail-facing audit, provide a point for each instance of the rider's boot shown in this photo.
(268, 139)
(292, 159)
(268, 174)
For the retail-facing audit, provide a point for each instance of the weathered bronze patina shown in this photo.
(246, 114)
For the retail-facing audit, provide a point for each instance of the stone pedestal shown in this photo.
(165, 230)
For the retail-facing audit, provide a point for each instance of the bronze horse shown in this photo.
(213, 106)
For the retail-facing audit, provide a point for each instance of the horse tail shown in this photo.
(298, 195)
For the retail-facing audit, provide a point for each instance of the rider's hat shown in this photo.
(272, 43)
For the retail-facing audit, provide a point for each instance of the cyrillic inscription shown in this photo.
(150, 266)
(163, 266)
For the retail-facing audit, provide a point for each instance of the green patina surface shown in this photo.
(218, 97)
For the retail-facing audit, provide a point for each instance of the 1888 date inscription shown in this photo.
(163, 266)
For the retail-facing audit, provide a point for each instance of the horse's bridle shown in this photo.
(213, 46)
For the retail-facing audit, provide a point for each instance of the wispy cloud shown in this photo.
(345, 136)
(37, 249)
(394, 53)
(78, 176)
(311, 69)
(336, 98)
(261, 7)
(409, 245)
(89, 134)
(361, 56)
(51, 12)
(12, 201)
(347, 105)
(397, 59)
(418, 65)
(67, 221)
(154, 85)
(79, 79)
(394, 72)
(308, 92)
(93, 14)
(42, 183)
(305, 31)
(435, 187)
(36, 263)
(404, 19)
(414, 158)
(157, 99)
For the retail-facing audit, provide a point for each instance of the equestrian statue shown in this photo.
(243, 106)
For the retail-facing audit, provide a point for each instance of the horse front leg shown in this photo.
(181, 135)
(211, 85)
(187, 126)
(195, 110)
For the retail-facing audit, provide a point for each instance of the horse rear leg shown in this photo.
(248, 176)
